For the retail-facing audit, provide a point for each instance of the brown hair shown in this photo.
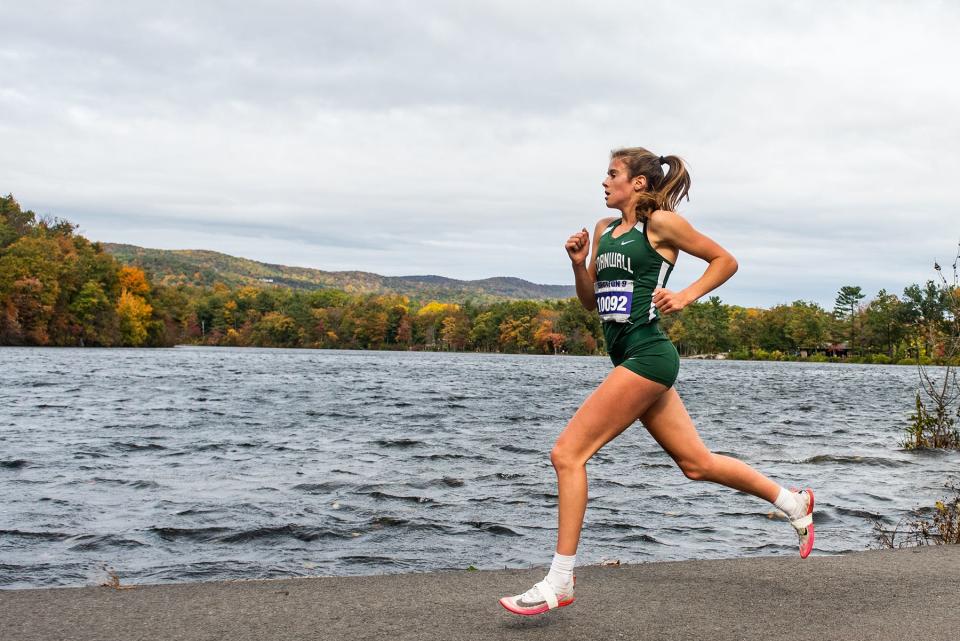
(664, 191)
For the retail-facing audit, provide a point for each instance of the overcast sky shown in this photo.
(469, 139)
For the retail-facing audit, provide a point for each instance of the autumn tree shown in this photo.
(97, 317)
(134, 314)
(744, 327)
(276, 330)
(546, 337)
(580, 327)
(455, 331)
(884, 323)
(516, 334)
(429, 320)
(806, 325)
(134, 280)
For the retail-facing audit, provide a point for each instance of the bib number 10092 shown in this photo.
(612, 303)
(614, 299)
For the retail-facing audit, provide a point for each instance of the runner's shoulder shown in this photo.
(603, 223)
(662, 219)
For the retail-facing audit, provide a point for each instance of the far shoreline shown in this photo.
(865, 360)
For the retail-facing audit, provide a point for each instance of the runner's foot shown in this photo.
(541, 597)
(804, 524)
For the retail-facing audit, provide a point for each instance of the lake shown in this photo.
(197, 464)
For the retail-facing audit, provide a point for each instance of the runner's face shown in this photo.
(617, 186)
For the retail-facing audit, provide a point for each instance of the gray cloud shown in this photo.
(469, 139)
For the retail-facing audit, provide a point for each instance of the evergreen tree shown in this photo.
(847, 306)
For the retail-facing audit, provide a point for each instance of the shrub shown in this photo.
(931, 428)
(941, 528)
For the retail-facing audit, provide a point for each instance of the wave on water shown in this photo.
(374, 561)
(445, 482)
(385, 522)
(399, 442)
(144, 485)
(397, 497)
(449, 455)
(91, 542)
(847, 511)
(502, 476)
(189, 534)
(290, 530)
(42, 536)
(858, 460)
(492, 528)
(15, 464)
(326, 487)
(640, 538)
(137, 447)
(89, 454)
(230, 535)
(515, 449)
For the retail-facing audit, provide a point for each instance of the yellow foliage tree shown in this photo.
(455, 331)
(246, 294)
(134, 281)
(134, 313)
(230, 313)
(434, 308)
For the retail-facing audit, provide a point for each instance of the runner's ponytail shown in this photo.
(665, 190)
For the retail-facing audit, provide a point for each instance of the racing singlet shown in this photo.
(628, 270)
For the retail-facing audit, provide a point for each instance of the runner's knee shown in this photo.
(697, 469)
(564, 459)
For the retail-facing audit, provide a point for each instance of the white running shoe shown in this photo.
(541, 597)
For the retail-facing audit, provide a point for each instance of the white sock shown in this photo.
(561, 570)
(787, 502)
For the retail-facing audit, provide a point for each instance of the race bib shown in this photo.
(614, 299)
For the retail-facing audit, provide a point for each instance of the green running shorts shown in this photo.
(647, 351)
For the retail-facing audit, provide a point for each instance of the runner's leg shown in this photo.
(613, 407)
(669, 423)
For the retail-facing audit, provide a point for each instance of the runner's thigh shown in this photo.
(670, 425)
(619, 401)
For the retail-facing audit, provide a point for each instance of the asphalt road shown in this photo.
(877, 595)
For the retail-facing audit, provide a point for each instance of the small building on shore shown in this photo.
(828, 349)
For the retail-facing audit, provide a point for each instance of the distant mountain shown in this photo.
(204, 267)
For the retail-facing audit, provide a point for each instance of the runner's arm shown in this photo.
(585, 273)
(675, 230)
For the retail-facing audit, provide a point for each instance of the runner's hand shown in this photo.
(669, 302)
(578, 245)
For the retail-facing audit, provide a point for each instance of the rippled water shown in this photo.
(194, 464)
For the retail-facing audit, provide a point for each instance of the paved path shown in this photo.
(875, 596)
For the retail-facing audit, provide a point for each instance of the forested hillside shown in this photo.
(58, 288)
(204, 268)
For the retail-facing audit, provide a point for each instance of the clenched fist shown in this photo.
(578, 245)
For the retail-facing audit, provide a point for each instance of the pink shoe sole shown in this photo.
(529, 612)
(507, 602)
(805, 550)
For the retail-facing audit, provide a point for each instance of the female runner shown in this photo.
(633, 255)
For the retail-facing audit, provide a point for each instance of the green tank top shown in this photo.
(628, 270)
